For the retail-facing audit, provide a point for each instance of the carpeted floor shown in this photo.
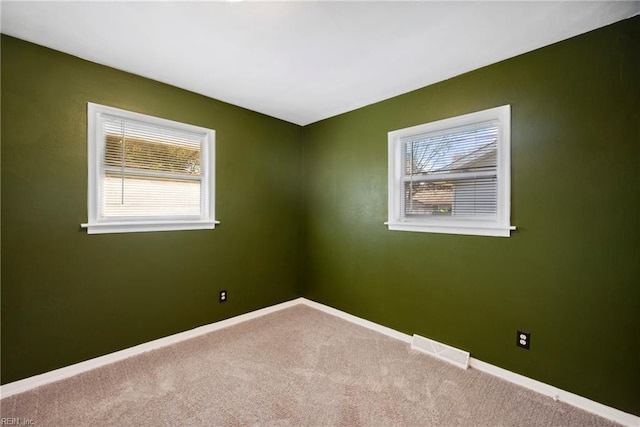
(296, 367)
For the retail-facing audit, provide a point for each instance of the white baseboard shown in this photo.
(583, 403)
(78, 368)
(555, 393)
(358, 320)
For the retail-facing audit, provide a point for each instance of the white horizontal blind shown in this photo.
(150, 171)
(452, 172)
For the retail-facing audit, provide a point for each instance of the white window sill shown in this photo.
(140, 226)
(493, 231)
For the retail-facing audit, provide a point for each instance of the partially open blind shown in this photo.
(149, 170)
(452, 172)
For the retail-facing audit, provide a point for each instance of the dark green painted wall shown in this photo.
(570, 274)
(68, 296)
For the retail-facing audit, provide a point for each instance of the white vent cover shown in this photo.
(447, 353)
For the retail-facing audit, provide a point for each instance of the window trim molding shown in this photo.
(498, 227)
(98, 225)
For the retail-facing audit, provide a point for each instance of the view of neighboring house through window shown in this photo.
(452, 173)
(452, 176)
(147, 173)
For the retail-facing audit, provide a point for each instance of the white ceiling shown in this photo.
(303, 61)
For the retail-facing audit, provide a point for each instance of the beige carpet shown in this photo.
(295, 367)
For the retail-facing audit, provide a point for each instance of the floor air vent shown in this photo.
(447, 353)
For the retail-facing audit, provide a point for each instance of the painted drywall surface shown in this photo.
(569, 274)
(68, 296)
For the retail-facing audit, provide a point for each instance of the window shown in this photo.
(148, 173)
(453, 175)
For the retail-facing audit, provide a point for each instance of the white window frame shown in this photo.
(499, 225)
(95, 147)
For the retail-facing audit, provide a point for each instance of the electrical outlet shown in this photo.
(523, 339)
(222, 297)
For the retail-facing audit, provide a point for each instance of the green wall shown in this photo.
(302, 212)
(570, 274)
(68, 296)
